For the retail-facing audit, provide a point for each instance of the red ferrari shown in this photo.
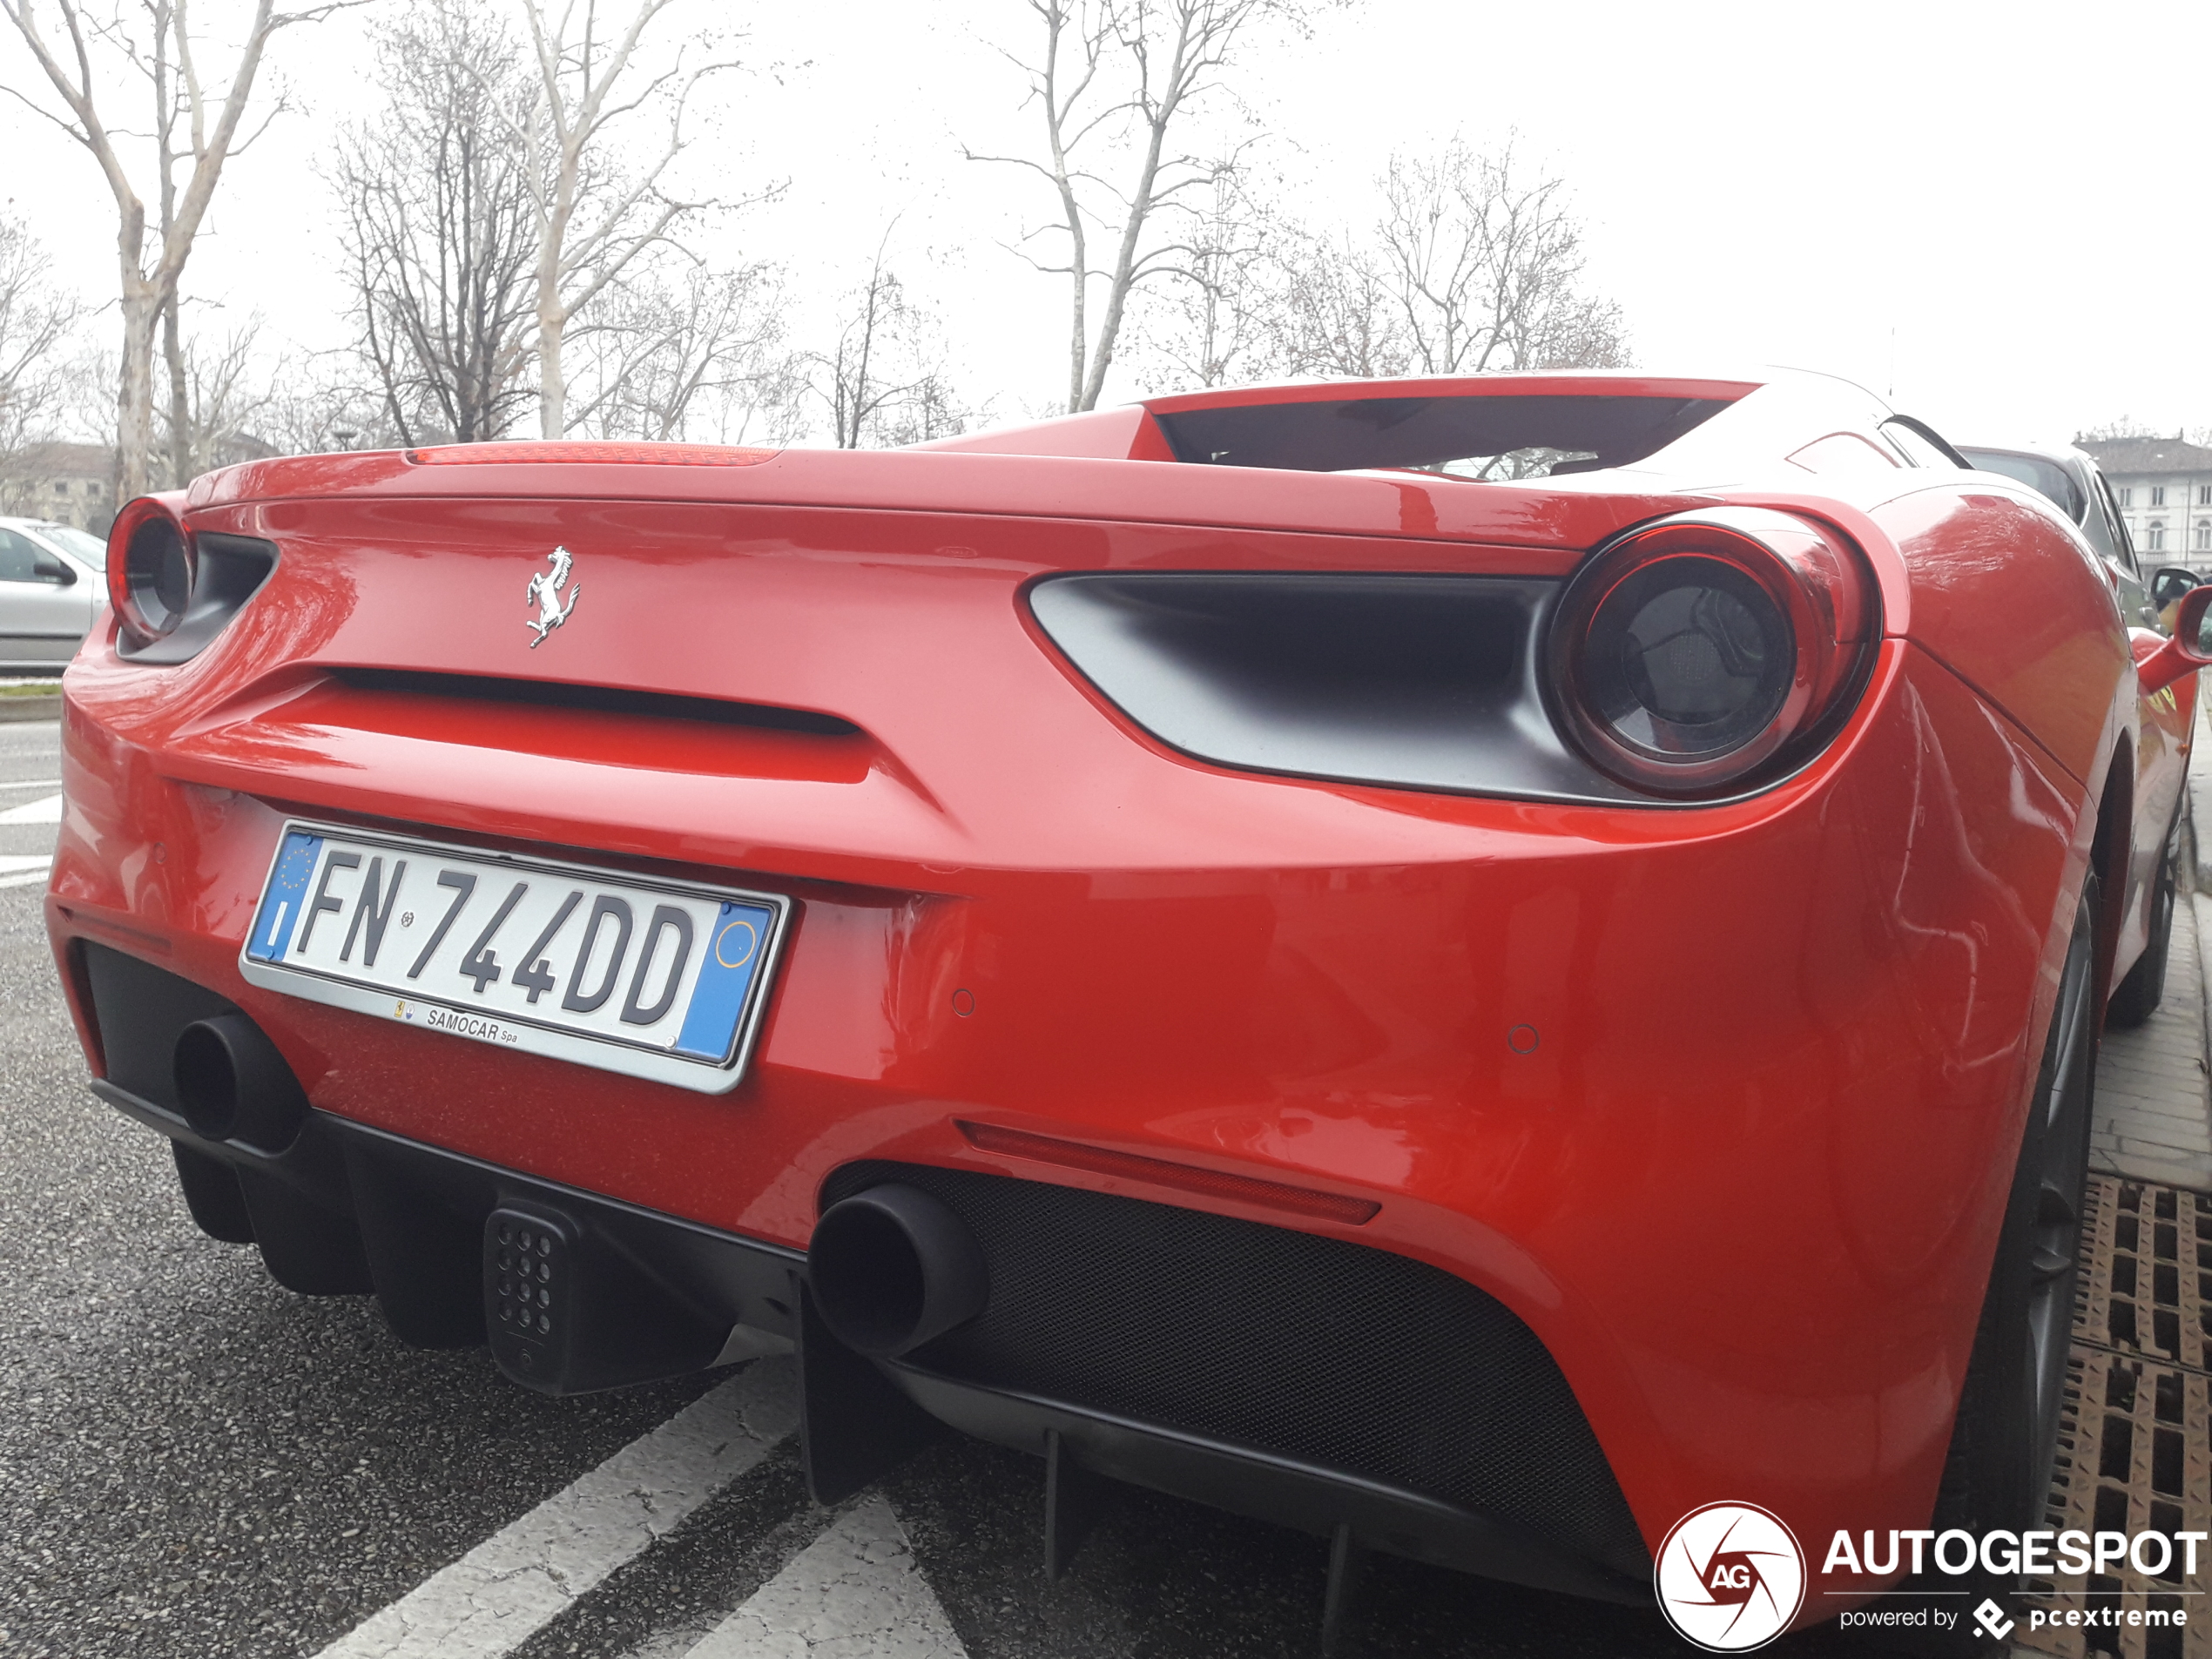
(1468, 965)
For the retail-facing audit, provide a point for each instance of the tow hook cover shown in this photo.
(529, 1292)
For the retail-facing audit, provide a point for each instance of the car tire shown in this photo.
(2004, 1441)
(2137, 996)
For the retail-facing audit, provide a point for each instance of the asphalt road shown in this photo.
(195, 1461)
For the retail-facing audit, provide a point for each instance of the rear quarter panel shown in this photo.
(2006, 596)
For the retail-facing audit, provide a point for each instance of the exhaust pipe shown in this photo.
(891, 1268)
(234, 1085)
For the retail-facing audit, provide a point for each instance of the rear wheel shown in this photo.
(2137, 995)
(2004, 1440)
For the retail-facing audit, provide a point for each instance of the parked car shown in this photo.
(1470, 965)
(52, 584)
(2072, 480)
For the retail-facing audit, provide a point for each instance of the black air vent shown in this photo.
(1423, 682)
(1335, 436)
(232, 568)
(604, 699)
(1314, 1348)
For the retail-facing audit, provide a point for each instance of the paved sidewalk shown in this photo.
(2154, 1118)
(2153, 1108)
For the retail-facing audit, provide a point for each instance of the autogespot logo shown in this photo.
(1729, 1577)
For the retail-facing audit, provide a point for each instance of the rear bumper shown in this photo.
(343, 1207)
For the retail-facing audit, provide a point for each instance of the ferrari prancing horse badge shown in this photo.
(545, 592)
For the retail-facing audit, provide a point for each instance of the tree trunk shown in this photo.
(1140, 209)
(134, 396)
(552, 319)
(1079, 341)
(181, 432)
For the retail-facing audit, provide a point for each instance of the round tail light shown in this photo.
(151, 567)
(1702, 651)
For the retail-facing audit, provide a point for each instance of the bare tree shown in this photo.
(2126, 427)
(1483, 264)
(229, 388)
(36, 320)
(1472, 266)
(212, 399)
(244, 398)
(1219, 319)
(1335, 313)
(935, 409)
(665, 359)
(595, 218)
(320, 403)
(191, 125)
(1111, 78)
(884, 381)
(438, 235)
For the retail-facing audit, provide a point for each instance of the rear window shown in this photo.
(1493, 438)
(2046, 478)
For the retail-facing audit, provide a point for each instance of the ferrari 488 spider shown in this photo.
(1469, 965)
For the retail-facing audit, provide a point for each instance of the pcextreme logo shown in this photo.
(1729, 1577)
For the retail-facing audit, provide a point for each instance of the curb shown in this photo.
(2195, 866)
(30, 708)
(2203, 906)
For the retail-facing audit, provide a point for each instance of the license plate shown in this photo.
(658, 979)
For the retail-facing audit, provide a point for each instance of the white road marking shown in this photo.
(518, 1581)
(32, 783)
(854, 1593)
(46, 811)
(17, 870)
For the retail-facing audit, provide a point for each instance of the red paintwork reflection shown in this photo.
(568, 453)
(288, 495)
(1147, 1173)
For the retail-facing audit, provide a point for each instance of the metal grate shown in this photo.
(2135, 1440)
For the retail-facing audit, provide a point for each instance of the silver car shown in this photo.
(2072, 482)
(53, 581)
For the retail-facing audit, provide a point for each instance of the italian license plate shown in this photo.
(659, 979)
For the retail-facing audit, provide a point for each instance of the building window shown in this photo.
(2204, 495)
(2203, 542)
(2158, 495)
(2127, 497)
(2154, 536)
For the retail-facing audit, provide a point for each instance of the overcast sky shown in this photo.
(2000, 214)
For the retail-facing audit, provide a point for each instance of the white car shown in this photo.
(53, 581)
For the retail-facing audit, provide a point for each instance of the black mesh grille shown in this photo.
(1315, 1348)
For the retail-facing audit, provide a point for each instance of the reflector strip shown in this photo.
(560, 450)
(1245, 1188)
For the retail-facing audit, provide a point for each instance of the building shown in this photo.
(2164, 486)
(70, 483)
